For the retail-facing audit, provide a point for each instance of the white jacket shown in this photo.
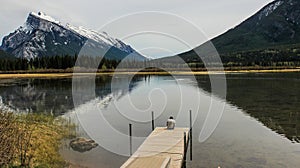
(171, 123)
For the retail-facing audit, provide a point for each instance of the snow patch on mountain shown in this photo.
(43, 16)
(269, 9)
(100, 37)
(27, 28)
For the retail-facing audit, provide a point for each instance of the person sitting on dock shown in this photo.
(171, 123)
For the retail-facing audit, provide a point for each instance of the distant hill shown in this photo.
(272, 34)
(276, 24)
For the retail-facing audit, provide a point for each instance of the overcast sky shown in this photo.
(212, 17)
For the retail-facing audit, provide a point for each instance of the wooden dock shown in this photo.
(163, 148)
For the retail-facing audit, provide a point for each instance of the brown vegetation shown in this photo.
(31, 140)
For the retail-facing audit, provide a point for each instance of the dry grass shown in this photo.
(36, 75)
(124, 72)
(31, 140)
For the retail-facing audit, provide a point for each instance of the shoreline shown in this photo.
(70, 74)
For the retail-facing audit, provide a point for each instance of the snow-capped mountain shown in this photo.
(41, 35)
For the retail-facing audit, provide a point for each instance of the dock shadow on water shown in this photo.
(259, 126)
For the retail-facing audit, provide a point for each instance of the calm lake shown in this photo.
(259, 126)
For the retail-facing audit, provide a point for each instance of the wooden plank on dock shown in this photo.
(160, 162)
(162, 148)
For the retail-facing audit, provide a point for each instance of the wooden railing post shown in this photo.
(191, 136)
(184, 150)
(153, 127)
(130, 139)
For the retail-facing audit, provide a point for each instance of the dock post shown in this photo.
(152, 113)
(184, 150)
(130, 139)
(191, 136)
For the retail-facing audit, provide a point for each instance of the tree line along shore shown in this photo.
(283, 57)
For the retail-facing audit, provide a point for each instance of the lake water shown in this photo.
(259, 126)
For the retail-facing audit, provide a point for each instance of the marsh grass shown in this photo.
(32, 140)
